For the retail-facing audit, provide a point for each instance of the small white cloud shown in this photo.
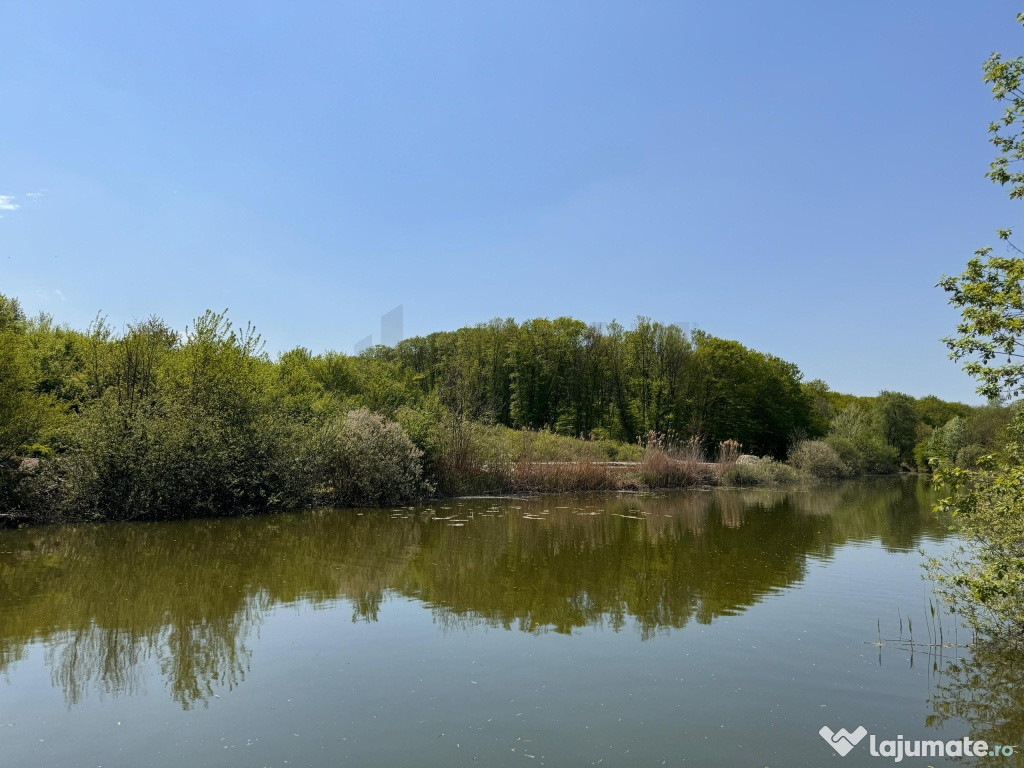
(33, 196)
(7, 203)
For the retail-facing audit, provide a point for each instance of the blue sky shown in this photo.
(794, 175)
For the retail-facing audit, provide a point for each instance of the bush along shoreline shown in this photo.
(355, 460)
(152, 423)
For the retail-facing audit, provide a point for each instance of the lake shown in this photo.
(691, 628)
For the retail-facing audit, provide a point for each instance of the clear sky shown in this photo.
(794, 175)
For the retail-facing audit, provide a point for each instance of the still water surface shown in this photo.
(698, 628)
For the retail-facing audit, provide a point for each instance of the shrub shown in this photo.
(944, 443)
(865, 455)
(465, 461)
(665, 465)
(38, 451)
(542, 445)
(472, 458)
(762, 471)
(661, 470)
(923, 454)
(11, 494)
(967, 457)
(23, 412)
(818, 459)
(856, 435)
(983, 579)
(164, 460)
(364, 460)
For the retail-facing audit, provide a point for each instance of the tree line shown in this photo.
(150, 422)
(609, 382)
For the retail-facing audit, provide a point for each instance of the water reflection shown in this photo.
(985, 690)
(107, 602)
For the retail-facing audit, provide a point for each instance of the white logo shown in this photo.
(842, 741)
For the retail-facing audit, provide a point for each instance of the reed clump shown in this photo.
(673, 465)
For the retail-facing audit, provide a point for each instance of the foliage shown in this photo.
(23, 412)
(761, 471)
(856, 437)
(1005, 78)
(818, 459)
(934, 412)
(963, 439)
(823, 407)
(207, 425)
(896, 421)
(746, 396)
(985, 580)
(363, 460)
(174, 430)
(943, 444)
(990, 296)
(608, 382)
(150, 422)
(970, 455)
(472, 458)
(990, 292)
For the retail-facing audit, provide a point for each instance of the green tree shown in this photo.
(22, 411)
(856, 437)
(740, 394)
(821, 411)
(935, 412)
(990, 292)
(985, 579)
(896, 418)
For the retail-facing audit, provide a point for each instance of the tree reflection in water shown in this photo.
(107, 601)
(986, 690)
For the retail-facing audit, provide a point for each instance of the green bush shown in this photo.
(209, 427)
(963, 439)
(857, 437)
(761, 471)
(866, 455)
(363, 460)
(967, 457)
(923, 454)
(23, 411)
(818, 459)
(984, 578)
(162, 461)
(945, 442)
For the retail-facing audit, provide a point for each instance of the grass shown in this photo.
(482, 459)
(661, 468)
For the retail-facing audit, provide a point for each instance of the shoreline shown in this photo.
(13, 521)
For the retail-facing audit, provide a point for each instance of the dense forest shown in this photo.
(153, 422)
(611, 382)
